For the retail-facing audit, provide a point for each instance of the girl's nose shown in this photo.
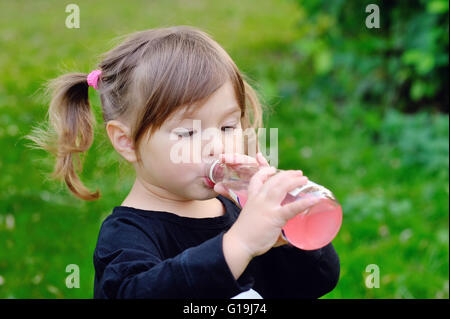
(216, 146)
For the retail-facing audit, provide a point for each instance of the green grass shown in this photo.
(395, 201)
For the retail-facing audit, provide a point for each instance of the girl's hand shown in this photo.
(258, 227)
(239, 159)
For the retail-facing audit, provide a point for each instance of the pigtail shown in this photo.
(255, 112)
(71, 130)
(253, 117)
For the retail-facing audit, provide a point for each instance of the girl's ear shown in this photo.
(120, 137)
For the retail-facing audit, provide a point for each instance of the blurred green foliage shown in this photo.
(403, 64)
(421, 140)
(338, 92)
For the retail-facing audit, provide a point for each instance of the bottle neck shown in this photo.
(220, 171)
(216, 172)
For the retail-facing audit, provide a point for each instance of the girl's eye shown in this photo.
(228, 128)
(185, 134)
(190, 133)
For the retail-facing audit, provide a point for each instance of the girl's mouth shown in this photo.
(208, 182)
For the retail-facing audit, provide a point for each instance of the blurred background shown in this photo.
(363, 111)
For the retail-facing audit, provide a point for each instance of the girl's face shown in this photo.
(176, 157)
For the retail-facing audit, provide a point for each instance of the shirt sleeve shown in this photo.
(136, 269)
(289, 272)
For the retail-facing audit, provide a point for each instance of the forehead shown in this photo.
(223, 102)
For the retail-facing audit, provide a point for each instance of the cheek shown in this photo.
(167, 173)
(179, 167)
(179, 154)
(159, 167)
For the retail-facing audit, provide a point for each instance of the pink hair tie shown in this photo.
(92, 78)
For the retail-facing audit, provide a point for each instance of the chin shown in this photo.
(200, 193)
(209, 195)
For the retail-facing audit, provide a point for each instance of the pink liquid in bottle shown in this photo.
(311, 229)
(316, 226)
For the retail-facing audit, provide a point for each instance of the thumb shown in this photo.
(220, 189)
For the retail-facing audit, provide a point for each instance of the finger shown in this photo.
(288, 186)
(237, 158)
(219, 188)
(291, 210)
(259, 178)
(262, 160)
(222, 190)
(279, 185)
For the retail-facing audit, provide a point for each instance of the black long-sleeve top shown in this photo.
(157, 254)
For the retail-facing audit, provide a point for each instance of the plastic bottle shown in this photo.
(311, 229)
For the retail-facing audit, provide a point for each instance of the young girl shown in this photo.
(176, 235)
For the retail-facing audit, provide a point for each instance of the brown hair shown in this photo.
(144, 80)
